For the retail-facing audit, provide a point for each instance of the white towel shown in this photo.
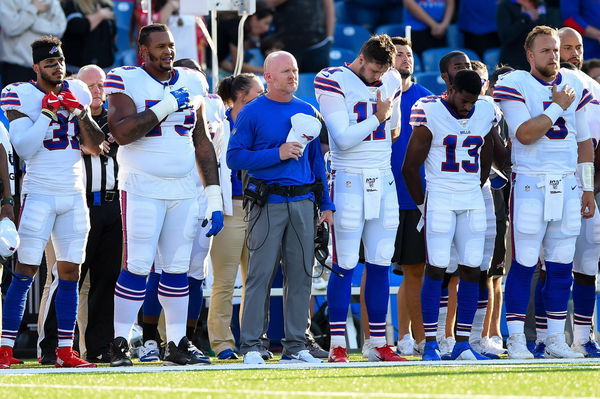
(391, 82)
(553, 197)
(371, 193)
(305, 128)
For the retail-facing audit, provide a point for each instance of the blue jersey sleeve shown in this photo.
(317, 166)
(240, 152)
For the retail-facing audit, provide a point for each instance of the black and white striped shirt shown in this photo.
(101, 170)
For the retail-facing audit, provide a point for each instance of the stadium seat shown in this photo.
(350, 37)
(125, 54)
(306, 86)
(341, 15)
(418, 63)
(491, 58)
(454, 37)
(338, 55)
(431, 58)
(392, 30)
(431, 80)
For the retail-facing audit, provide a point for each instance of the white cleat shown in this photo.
(303, 356)
(557, 348)
(406, 346)
(366, 348)
(493, 345)
(253, 357)
(149, 352)
(517, 347)
(477, 345)
(446, 345)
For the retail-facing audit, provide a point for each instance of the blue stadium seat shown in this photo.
(491, 58)
(431, 58)
(341, 15)
(351, 37)
(306, 86)
(392, 30)
(418, 63)
(338, 55)
(454, 37)
(431, 80)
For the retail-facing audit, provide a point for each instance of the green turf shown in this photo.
(483, 382)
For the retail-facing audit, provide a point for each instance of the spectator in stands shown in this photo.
(592, 68)
(229, 250)
(476, 20)
(254, 28)
(584, 17)
(22, 22)
(306, 29)
(90, 34)
(515, 19)
(429, 21)
(371, 13)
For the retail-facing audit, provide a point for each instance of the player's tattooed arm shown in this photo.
(125, 123)
(206, 159)
(487, 156)
(416, 153)
(91, 135)
(13, 114)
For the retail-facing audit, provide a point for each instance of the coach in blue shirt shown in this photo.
(283, 175)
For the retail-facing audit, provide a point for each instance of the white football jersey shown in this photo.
(56, 167)
(556, 151)
(375, 151)
(215, 120)
(592, 113)
(453, 164)
(159, 164)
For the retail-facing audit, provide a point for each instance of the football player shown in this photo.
(360, 103)
(156, 114)
(49, 122)
(451, 135)
(544, 110)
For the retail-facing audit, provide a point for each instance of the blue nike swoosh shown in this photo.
(573, 188)
(390, 183)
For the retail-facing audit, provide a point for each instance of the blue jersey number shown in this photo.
(60, 137)
(559, 130)
(361, 114)
(471, 142)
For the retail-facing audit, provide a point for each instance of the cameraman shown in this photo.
(286, 181)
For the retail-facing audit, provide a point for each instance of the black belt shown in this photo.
(98, 198)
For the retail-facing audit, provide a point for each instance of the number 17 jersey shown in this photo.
(452, 164)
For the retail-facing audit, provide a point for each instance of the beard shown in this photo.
(405, 73)
(48, 78)
(158, 61)
(547, 71)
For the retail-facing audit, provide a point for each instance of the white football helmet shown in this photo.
(9, 238)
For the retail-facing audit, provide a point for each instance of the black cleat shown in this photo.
(119, 353)
(195, 354)
(176, 355)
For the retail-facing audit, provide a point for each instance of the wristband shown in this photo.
(585, 170)
(49, 114)
(164, 108)
(7, 201)
(214, 200)
(554, 111)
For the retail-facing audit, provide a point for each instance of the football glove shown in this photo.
(50, 104)
(70, 102)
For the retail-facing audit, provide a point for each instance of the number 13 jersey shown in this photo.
(453, 161)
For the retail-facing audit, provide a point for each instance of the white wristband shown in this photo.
(585, 170)
(165, 107)
(214, 200)
(554, 111)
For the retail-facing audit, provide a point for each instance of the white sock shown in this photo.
(555, 326)
(175, 309)
(515, 327)
(581, 333)
(126, 312)
(477, 327)
(338, 341)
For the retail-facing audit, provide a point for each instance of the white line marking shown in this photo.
(540, 363)
(281, 393)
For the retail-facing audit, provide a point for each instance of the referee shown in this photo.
(102, 264)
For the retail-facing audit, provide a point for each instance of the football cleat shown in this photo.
(303, 356)
(384, 353)
(539, 350)
(556, 347)
(253, 357)
(517, 347)
(5, 356)
(446, 344)
(338, 355)
(431, 351)
(227, 354)
(196, 355)
(316, 351)
(462, 351)
(149, 352)
(589, 348)
(67, 357)
(119, 353)
(493, 345)
(406, 346)
(366, 348)
(176, 355)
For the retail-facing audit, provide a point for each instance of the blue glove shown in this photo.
(216, 223)
(183, 98)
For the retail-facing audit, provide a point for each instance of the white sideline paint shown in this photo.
(592, 363)
(279, 393)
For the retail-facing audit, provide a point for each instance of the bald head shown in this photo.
(571, 46)
(93, 76)
(281, 74)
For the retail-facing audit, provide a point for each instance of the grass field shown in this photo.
(414, 380)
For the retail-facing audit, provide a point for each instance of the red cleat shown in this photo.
(7, 358)
(67, 357)
(384, 353)
(338, 355)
